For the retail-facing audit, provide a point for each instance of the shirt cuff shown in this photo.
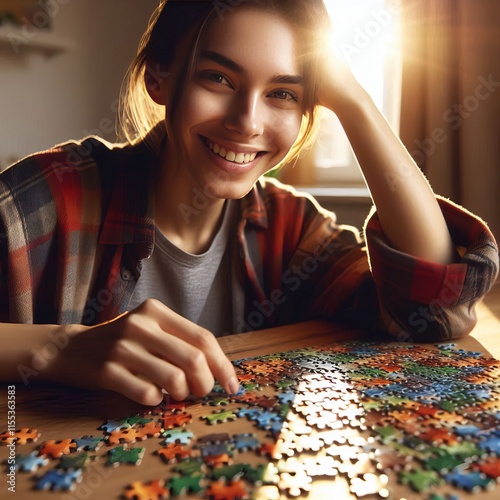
(420, 281)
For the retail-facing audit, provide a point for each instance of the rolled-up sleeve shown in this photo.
(421, 300)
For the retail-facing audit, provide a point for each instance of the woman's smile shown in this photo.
(229, 155)
(232, 159)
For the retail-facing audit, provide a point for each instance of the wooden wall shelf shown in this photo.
(20, 41)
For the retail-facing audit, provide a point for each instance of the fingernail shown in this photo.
(233, 386)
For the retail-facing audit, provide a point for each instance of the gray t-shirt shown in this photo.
(202, 288)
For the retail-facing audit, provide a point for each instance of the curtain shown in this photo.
(450, 110)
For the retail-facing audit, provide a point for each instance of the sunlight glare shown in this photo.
(367, 32)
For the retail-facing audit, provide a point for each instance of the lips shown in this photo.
(239, 157)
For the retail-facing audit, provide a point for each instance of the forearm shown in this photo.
(138, 354)
(406, 205)
(28, 351)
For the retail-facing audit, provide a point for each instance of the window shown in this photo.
(367, 32)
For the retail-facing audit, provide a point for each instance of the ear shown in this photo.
(156, 79)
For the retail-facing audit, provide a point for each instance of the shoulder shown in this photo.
(286, 205)
(84, 163)
(54, 181)
(276, 195)
(58, 162)
(298, 213)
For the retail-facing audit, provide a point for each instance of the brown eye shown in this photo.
(284, 95)
(217, 78)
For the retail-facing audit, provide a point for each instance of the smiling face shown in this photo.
(241, 110)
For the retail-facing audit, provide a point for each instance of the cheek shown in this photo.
(195, 109)
(287, 129)
(200, 107)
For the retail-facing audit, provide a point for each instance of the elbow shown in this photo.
(447, 324)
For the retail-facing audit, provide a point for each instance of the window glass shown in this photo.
(367, 33)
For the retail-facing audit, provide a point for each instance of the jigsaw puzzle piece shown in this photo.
(152, 490)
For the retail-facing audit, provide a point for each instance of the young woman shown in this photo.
(120, 264)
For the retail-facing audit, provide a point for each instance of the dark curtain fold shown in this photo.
(450, 112)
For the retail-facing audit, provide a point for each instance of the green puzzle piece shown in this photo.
(420, 480)
(121, 455)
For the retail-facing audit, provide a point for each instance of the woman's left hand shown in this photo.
(338, 88)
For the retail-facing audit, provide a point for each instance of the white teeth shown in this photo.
(231, 155)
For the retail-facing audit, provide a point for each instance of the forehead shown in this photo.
(255, 39)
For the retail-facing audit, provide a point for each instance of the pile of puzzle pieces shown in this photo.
(361, 416)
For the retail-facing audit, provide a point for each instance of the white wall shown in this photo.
(45, 100)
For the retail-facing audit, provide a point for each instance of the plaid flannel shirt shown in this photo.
(77, 220)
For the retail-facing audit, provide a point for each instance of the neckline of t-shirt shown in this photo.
(217, 247)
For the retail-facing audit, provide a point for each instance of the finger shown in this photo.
(180, 327)
(143, 337)
(116, 377)
(193, 363)
(180, 369)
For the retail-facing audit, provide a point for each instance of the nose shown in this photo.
(246, 116)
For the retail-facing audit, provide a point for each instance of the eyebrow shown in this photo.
(237, 68)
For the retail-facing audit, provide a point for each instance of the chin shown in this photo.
(235, 192)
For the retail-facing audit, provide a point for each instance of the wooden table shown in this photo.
(60, 412)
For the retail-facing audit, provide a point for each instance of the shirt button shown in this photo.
(126, 275)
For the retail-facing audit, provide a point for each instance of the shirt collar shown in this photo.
(253, 207)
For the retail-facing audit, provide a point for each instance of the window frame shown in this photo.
(343, 172)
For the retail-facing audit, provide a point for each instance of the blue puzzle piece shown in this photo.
(470, 354)
(468, 480)
(467, 430)
(209, 450)
(251, 413)
(57, 480)
(482, 394)
(30, 463)
(266, 419)
(286, 398)
(492, 444)
(450, 346)
(178, 436)
(376, 392)
(89, 443)
(245, 442)
(113, 425)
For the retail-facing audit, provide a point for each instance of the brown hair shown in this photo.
(175, 28)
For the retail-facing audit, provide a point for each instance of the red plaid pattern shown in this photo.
(77, 221)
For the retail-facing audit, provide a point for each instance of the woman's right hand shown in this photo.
(142, 352)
